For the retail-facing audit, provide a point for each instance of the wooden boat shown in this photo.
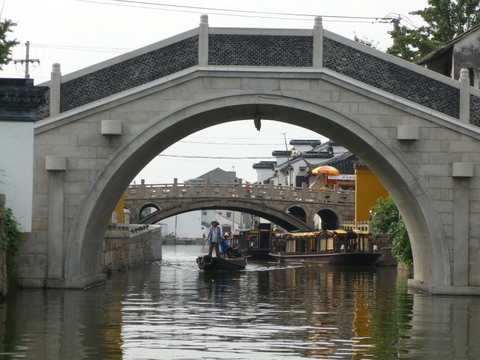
(328, 247)
(257, 243)
(207, 262)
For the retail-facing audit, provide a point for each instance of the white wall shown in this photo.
(264, 174)
(188, 225)
(16, 169)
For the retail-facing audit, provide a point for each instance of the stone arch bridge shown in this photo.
(290, 207)
(415, 129)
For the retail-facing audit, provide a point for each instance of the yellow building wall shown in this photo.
(117, 215)
(367, 190)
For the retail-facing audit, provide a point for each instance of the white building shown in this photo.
(292, 166)
(186, 225)
(19, 101)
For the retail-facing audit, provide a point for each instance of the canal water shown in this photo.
(171, 310)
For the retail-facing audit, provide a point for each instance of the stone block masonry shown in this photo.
(121, 250)
(344, 90)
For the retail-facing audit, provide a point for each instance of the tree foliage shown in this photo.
(6, 45)
(386, 220)
(366, 41)
(445, 20)
(11, 237)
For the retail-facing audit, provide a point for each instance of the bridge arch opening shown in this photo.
(148, 209)
(269, 213)
(298, 212)
(328, 219)
(393, 171)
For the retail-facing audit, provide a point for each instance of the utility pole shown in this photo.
(289, 180)
(27, 60)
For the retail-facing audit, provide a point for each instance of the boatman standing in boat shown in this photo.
(214, 237)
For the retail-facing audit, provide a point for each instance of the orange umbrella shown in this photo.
(325, 169)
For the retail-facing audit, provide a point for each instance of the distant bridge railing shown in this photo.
(239, 190)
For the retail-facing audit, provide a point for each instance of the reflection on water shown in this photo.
(171, 310)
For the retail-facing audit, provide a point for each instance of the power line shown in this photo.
(216, 157)
(229, 143)
(239, 12)
(333, 18)
(80, 48)
(192, 11)
(402, 18)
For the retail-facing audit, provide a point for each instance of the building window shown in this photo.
(229, 214)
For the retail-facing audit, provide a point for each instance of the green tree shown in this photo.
(5, 44)
(445, 20)
(386, 220)
(12, 237)
(366, 41)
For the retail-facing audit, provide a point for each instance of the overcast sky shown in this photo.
(80, 33)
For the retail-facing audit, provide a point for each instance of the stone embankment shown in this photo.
(129, 245)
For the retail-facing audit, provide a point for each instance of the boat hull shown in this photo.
(258, 254)
(207, 262)
(341, 258)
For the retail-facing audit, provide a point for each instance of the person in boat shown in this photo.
(225, 245)
(227, 249)
(214, 237)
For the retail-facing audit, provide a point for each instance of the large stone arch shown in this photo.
(427, 234)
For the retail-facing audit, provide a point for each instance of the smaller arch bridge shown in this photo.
(290, 207)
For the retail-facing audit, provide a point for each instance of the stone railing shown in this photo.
(358, 225)
(239, 190)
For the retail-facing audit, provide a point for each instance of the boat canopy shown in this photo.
(322, 233)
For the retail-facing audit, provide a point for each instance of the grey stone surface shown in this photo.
(359, 98)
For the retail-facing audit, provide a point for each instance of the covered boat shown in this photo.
(329, 247)
(207, 262)
(257, 243)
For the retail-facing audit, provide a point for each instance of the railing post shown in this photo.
(55, 85)
(208, 187)
(175, 188)
(304, 191)
(317, 60)
(203, 41)
(141, 189)
(237, 186)
(270, 190)
(464, 96)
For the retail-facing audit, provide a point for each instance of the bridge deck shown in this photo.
(254, 191)
(265, 48)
